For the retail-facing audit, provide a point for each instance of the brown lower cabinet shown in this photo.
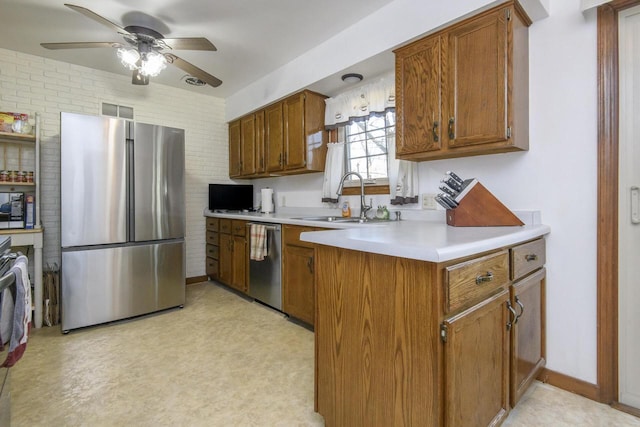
(234, 256)
(298, 282)
(406, 342)
(212, 247)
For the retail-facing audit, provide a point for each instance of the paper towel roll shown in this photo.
(267, 200)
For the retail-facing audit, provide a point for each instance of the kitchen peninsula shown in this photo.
(420, 323)
(426, 324)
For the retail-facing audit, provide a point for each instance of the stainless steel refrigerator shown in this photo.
(122, 219)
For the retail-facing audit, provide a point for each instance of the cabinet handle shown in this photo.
(635, 205)
(486, 278)
(514, 316)
(452, 135)
(280, 159)
(531, 257)
(521, 309)
(435, 131)
(310, 264)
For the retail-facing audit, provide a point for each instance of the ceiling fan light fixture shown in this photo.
(139, 79)
(152, 64)
(129, 57)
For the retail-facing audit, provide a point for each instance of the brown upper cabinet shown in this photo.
(234, 149)
(246, 146)
(463, 91)
(284, 138)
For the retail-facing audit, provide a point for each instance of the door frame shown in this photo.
(607, 233)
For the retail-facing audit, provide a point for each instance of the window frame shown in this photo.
(372, 186)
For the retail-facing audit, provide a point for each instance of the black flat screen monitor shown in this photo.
(230, 197)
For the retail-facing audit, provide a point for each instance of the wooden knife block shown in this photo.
(477, 207)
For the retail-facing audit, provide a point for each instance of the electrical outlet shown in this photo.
(429, 201)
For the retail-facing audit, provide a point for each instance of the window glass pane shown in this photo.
(109, 109)
(378, 167)
(376, 122)
(391, 118)
(358, 165)
(366, 149)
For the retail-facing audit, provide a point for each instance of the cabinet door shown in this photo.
(234, 148)
(240, 263)
(418, 103)
(528, 333)
(274, 137)
(476, 81)
(248, 145)
(260, 162)
(225, 271)
(294, 132)
(298, 290)
(476, 365)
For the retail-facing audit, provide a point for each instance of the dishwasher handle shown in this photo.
(267, 227)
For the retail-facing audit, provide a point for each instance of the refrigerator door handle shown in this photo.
(130, 188)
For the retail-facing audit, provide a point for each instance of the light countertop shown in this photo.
(433, 241)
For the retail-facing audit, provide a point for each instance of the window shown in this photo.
(114, 110)
(366, 148)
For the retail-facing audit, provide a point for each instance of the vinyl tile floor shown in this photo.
(221, 361)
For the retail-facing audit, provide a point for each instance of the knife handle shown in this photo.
(455, 177)
(448, 191)
(442, 203)
(451, 202)
(453, 184)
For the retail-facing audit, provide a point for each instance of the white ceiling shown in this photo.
(253, 37)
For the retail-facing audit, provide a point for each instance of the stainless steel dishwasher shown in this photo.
(265, 277)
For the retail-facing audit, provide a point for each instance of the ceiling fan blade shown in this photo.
(79, 45)
(193, 70)
(104, 21)
(190, 43)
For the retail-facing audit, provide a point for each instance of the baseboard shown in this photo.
(626, 408)
(196, 279)
(574, 385)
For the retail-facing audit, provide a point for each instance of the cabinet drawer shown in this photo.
(291, 235)
(212, 224)
(527, 258)
(212, 238)
(470, 282)
(225, 226)
(212, 268)
(213, 251)
(239, 228)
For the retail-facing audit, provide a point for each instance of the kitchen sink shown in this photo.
(341, 219)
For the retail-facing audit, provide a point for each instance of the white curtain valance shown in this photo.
(375, 97)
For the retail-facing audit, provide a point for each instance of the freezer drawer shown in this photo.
(102, 285)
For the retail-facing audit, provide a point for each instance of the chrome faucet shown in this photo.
(363, 207)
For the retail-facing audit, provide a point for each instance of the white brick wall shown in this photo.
(32, 84)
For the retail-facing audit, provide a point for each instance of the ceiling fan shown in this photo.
(143, 53)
